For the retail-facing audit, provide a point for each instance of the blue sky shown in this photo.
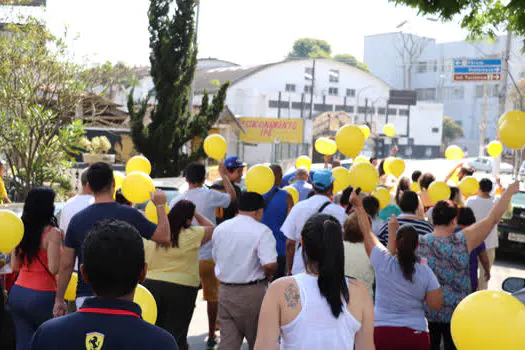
(242, 31)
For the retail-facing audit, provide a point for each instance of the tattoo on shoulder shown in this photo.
(292, 296)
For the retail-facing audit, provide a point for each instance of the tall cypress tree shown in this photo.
(173, 61)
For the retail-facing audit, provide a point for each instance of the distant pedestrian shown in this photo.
(319, 309)
(4, 198)
(234, 173)
(246, 258)
(371, 205)
(414, 186)
(424, 183)
(301, 183)
(76, 204)
(277, 205)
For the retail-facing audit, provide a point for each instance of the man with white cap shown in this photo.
(320, 202)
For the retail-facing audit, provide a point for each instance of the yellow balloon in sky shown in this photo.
(512, 135)
(11, 231)
(71, 291)
(364, 176)
(151, 212)
(489, 320)
(138, 163)
(454, 153)
(342, 179)
(137, 187)
(259, 179)
(215, 146)
(147, 303)
(514, 117)
(324, 145)
(350, 140)
(469, 186)
(383, 196)
(303, 161)
(389, 130)
(394, 166)
(494, 149)
(365, 129)
(293, 192)
(438, 191)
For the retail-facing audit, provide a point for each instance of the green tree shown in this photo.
(39, 92)
(173, 61)
(351, 61)
(451, 130)
(108, 79)
(310, 48)
(480, 18)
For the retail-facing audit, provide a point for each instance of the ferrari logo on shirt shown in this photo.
(94, 341)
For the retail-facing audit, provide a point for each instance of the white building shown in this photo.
(431, 75)
(283, 90)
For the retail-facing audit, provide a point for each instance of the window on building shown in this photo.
(308, 73)
(333, 91)
(435, 130)
(426, 94)
(290, 88)
(421, 67)
(403, 112)
(454, 93)
(333, 75)
(308, 89)
(492, 90)
(350, 92)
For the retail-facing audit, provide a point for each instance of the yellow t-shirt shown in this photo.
(176, 264)
(3, 192)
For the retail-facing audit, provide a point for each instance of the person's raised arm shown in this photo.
(67, 262)
(207, 225)
(228, 187)
(162, 234)
(449, 176)
(269, 319)
(364, 223)
(478, 232)
(395, 149)
(393, 226)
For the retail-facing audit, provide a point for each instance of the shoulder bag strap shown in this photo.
(323, 207)
(47, 270)
(270, 197)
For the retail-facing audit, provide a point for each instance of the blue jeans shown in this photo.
(29, 308)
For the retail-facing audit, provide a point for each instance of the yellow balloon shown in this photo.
(215, 146)
(394, 166)
(71, 291)
(469, 186)
(511, 134)
(342, 179)
(515, 117)
(147, 303)
(137, 187)
(389, 130)
(361, 159)
(259, 179)
(494, 149)
(151, 212)
(293, 192)
(138, 163)
(438, 191)
(489, 320)
(364, 176)
(455, 177)
(324, 145)
(414, 187)
(365, 129)
(11, 231)
(303, 161)
(383, 196)
(350, 140)
(454, 153)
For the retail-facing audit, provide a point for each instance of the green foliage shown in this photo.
(451, 130)
(480, 18)
(351, 61)
(39, 89)
(173, 61)
(110, 78)
(310, 48)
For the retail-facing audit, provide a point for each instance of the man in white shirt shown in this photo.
(245, 257)
(206, 202)
(481, 206)
(76, 204)
(320, 202)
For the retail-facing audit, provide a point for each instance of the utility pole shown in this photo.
(312, 91)
(483, 125)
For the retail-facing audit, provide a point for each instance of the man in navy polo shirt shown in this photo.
(113, 264)
(102, 184)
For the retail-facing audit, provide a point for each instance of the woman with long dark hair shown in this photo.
(321, 308)
(173, 269)
(403, 286)
(37, 258)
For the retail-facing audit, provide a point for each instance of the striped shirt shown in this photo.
(422, 227)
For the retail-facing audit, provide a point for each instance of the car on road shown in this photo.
(18, 208)
(484, 164)
(515, 286)
(172, 186)
(511, 228)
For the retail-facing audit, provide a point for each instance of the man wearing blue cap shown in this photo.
(234, 171)
(320, 202)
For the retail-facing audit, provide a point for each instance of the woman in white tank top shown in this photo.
(319, 309)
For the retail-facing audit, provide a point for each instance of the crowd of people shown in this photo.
(332, 271)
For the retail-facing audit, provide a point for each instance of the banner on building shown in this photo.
(271, 130)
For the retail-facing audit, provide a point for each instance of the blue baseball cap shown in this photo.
(233, 162)
(323, 179)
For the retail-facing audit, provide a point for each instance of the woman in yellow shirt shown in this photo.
(173, 270)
